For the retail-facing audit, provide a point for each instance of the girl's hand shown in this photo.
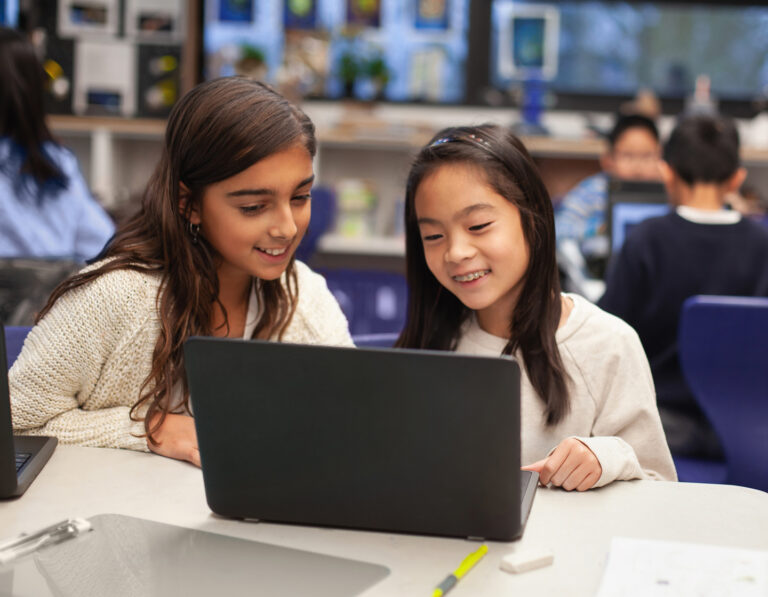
(571, 466)
(177, 439)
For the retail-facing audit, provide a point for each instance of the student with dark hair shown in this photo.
(210, 253)
(699, 248)
(480, 259)
(580, 221)
(46, 209)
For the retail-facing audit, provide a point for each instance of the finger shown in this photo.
(195, 458)
(577, 476)
(553, 464)
(589, 481)
(535, 466)
(570, 464)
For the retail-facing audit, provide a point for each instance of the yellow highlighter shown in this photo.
(465, 566)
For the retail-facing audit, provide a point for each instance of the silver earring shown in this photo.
(194, 231)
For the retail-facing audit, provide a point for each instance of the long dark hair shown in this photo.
(215, 131)
(22, 115)
(435, 315)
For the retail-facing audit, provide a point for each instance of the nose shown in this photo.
(283, 226)
(459, 249)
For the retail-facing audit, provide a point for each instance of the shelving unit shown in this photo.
(118, 155)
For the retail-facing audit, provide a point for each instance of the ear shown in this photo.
(184, 195)
(733, 184)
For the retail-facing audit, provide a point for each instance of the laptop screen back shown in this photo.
(629, 203)
(392, 440)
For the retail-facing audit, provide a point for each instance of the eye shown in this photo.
(430, 237)
(479, 226)
(250, 210)
(301, 198)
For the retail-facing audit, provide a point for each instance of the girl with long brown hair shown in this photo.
(210, 252)
(482, 276)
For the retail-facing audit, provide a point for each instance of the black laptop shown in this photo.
(392, 440)
(21, 457)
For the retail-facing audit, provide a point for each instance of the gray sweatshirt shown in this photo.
(612, 399)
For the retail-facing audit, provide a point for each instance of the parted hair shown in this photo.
(218, 129)
(435, 315)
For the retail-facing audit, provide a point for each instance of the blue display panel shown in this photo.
(614, 48)
(9, 13)
(399, 50)
(625, 216)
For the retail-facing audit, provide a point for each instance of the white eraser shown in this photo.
(527, 558)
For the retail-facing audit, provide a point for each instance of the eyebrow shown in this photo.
(270, 192)
(462, 214)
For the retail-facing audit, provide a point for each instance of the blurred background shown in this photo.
(379, 77)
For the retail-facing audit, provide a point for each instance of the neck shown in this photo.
(234, 293)
(497, 318)
(706, 196)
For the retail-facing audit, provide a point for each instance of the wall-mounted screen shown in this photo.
(398, 50)
(614, 48)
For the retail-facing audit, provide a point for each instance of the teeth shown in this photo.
(274, 252)
(472, 276)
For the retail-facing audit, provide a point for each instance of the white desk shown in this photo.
(576, 527)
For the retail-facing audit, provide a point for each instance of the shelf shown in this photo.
(390, 246)
(123, 127)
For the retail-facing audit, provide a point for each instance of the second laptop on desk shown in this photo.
(391, 440)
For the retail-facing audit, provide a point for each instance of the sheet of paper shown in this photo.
(647, 568)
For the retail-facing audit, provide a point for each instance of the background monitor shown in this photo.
(629, 203)
(628, 215)
(527, 40)
(9, 13)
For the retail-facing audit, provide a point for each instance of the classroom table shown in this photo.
(576, 527)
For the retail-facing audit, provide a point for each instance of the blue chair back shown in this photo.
(723, 347)
(14, 340)
(373, 301)
(323, 215)
(385, 340)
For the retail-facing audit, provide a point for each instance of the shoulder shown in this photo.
(308, 280)
(318, 318)
(595, 185)
(119, 291)
(594, 331)
(59, 154)
(757, 232)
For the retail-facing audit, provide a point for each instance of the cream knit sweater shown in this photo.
(612, 399)
(82, 366)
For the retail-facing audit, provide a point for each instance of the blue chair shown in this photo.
(14, 340)
(374, 302)
(384, 340)
(723, 347)
(323, 215)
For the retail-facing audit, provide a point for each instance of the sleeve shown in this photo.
(320, 315)
(59, 365)
(627, 436)
(94, 227)
(584, 204)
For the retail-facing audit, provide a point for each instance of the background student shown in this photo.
(699, 248)
(209, 253)
(480, 256)
(580, 221)
(46, 209)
